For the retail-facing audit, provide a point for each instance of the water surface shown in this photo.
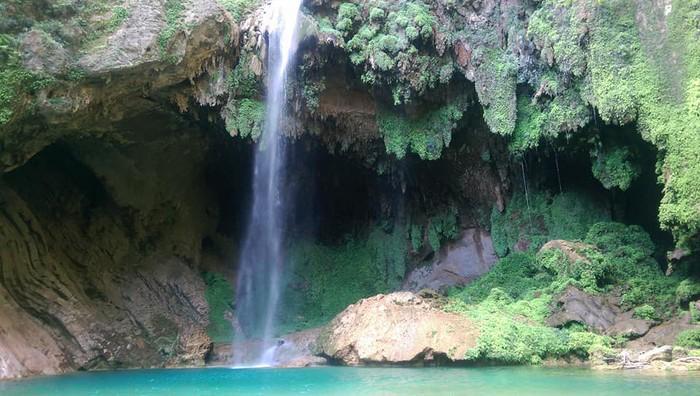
(359, 381)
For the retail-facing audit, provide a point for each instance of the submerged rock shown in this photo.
(293, 350)
(399, 328)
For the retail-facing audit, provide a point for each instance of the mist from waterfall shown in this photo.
(262, 258)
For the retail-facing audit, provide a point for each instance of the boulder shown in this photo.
(630, 327)
(399, 328)
(574, 305)
(663, 353)
(457, 263)
(600, 313)
(296, 349)
(665, 333)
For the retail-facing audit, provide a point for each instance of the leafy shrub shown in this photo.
(585, 344)
(590, 272)
(629, 243)
(650, 286)
(646, 312)
(516, 275)
(174, 10)
(239, 9)
(513, 332)
(497, 77)
(628, 250)
(694, 313)
(15, 81)
(384, 39)
(541, 218)
(242, 81)
(615, 166)
(687, 290)
(119, 15)
(245, 118)
(689, 339)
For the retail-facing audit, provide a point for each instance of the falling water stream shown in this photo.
(262, 259)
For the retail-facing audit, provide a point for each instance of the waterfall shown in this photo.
(262, 257)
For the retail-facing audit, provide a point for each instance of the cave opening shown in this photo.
(338, 193)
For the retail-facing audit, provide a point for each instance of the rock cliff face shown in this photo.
(125, 131)
(104, 196)
(459, 262)
(96, 274)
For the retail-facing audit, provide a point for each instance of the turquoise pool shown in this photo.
(358, 381)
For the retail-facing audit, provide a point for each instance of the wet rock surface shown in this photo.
(292, 350)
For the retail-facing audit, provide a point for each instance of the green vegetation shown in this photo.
(531, 221)
(614, 166)
(544, 121)
(514, 332)
(427, 135)
(559, 34)
(173, 24)
(245, 118)
(516, 275)
(119, 15)
(12, 77)
(311, 91)
(219, 295)
(689, 339)
(626, 76)
(694, 313)
(646, 312)
(496, 89)
(688, 290)
(437, 229)
(239, 9)
(16, 83)
(621, 256)
(384, 39)
(511, 302)
(328, 278)
(442, 227)
(242, 82)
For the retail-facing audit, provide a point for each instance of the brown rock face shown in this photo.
(98, 265)
(600, 313)
(469, 257)
(103, 198)
(665, 333)
(397, 328)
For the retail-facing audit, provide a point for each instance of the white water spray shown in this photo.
(262, 258)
